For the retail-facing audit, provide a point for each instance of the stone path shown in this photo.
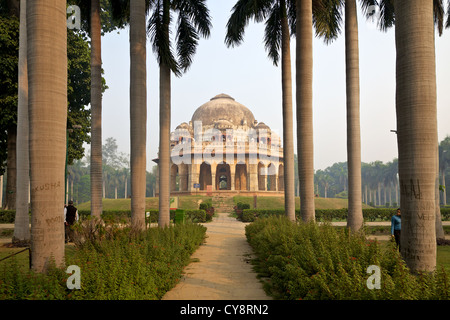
(223, 270)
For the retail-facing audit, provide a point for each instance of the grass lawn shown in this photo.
(277, 202)
(185, 202)
(193, 202)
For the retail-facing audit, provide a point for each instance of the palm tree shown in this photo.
(96, 110)
(305, 143)
(47, 50)
(193, 21)
(388, 17)
(355, 217)
(22, 220)
(138, 111)
(280, 15)
(416, 130)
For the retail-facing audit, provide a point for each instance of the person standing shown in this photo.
(396, 226)
(70, 216)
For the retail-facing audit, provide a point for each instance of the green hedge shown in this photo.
(198, 215)
(372, 214)
(320, 262)
(115, 264)
(243, 213)
(7, 216)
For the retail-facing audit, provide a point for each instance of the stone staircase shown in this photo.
(223, 203)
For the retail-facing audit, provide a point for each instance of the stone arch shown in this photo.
(205, 178)
(240, 177)
(174, 178)
(223, 176)
(271, 177)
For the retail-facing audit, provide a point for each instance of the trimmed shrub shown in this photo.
(115, 263)
(320, 262)
(7, 216)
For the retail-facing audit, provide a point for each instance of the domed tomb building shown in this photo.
(223, 149)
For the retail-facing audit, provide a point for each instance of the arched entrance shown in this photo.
(271, 177)
(205, 178)
(223, 177)
(174, 178)
(241, 177)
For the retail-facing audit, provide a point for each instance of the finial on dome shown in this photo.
(222, 96)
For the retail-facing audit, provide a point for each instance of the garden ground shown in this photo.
(221, 268)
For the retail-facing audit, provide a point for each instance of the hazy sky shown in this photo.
(246, 74)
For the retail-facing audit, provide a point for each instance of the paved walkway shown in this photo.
(223, 270)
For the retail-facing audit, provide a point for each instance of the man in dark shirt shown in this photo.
(396, 226)
(70, 216)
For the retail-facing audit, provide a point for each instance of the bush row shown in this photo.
(200, 215)
(318, 262)
(372, 214)
(115, 263)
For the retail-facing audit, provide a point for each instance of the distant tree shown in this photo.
(444, 164)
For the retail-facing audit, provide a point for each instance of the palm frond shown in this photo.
(327, 19)
(186, 39)
(158, 30)
(447, 24)
(197, 13)
(242, 12)
(438, 15)
(273, 34)
(387, 15)
(291, 10)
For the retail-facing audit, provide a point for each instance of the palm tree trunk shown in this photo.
(164, 128)
(288, 131)
(47, 80)
(138, 111)
(416, 131)
(304, 74)
(22, 219)
(355, 217)
(164, 144)
(96, 111)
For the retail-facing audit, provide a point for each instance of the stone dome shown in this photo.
(223, 107)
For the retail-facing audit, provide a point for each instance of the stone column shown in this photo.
(213, 175)
(253, 177)
(193, 176)
(232, 175)
(183, 174)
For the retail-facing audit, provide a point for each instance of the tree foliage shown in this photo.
(78, 88)
(9, 59)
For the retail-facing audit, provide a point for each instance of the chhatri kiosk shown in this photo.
(224, 150)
